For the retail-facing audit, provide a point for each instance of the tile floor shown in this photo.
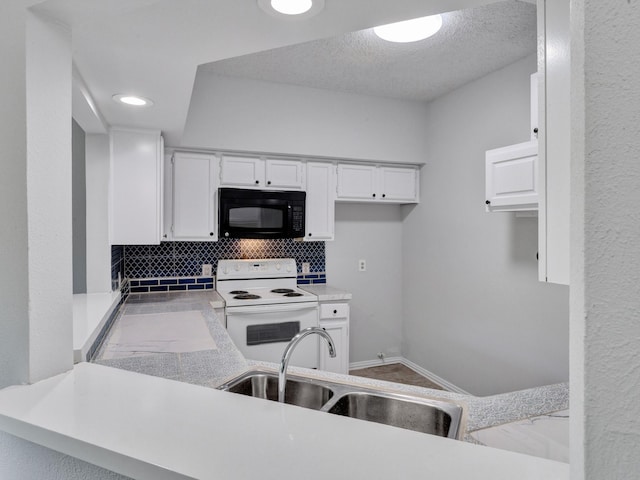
(396, 372)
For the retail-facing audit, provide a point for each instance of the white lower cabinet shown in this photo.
(320, 202)
(334, 318)
(194, 201)
(512, 178)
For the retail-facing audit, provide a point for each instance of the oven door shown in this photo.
(261, 332)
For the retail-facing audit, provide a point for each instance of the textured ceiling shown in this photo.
(471, 43)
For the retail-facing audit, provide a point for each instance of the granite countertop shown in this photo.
(327, 293)
(148, 427)
(211, 368)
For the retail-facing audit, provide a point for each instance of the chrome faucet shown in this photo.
(282, 374)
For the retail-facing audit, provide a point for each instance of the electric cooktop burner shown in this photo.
(246, 296)
(238, 292)
(282, 290)
(293, 294)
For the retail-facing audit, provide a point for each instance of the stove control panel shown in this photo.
(263, 268)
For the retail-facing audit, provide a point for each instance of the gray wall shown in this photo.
(242, 114)
(475, 313)
(79, 208)
(372, 233)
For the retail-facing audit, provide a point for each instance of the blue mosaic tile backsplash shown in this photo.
(185, 259)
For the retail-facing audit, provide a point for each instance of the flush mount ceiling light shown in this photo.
(132, 100)
(410, 30)
(291, 9)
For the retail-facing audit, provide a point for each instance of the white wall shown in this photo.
(242, 114)
(475, 313)
(372, 233)
(605, 268)
(98, 248)
(14, 318)
(23, 460)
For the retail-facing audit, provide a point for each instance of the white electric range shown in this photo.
(265, 309)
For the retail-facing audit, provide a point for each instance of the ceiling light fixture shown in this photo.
(132, 100)
(291, 9)
(410, 30)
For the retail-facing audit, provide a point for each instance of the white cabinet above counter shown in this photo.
(262, 173)
(378, 183)
(512, 178)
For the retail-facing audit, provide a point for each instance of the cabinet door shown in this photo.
(194, 197)
(356, 182)
(554, 68)
(136, 184)
(321, 197)
(511, 177)
(242, 171)
(339, 331)
(398, 184)
(287, 174)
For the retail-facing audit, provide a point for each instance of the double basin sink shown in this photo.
(424, 415)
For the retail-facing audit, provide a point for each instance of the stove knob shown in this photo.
(237, 267)
(278, 266)
(225, 270)
(288, 268)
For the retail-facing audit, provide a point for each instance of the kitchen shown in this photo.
(351, 212)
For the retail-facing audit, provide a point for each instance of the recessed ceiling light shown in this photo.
(132, 100)
(410, 30)
(291, 9)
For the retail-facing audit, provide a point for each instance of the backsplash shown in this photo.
(185, 259)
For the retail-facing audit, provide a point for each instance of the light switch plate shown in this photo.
(206, 270)
(306, 267)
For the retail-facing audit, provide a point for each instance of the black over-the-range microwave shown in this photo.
(246, 213)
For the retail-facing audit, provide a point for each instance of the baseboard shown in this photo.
(416, 368)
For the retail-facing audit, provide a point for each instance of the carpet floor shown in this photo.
(396, 372)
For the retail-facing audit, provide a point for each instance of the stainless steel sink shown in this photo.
(426, 415)
(299, 390)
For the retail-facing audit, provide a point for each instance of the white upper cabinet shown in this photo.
(554, 140)
(284, 174)
(242, 171)
(194, 197)
(356, 182)
(371, 183)
(136, 186)
(398, 184)
(511, 178)
(320, 202)
(256, 172)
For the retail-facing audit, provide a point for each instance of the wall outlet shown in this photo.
(306, 267)
(207, 270)
(362, 265)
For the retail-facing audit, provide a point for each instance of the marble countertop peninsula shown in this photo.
(327, 293)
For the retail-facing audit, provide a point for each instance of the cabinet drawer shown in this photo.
(334, 310)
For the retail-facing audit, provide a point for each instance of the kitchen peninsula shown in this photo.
(144, 426)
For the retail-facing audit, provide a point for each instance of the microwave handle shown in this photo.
(260, 309)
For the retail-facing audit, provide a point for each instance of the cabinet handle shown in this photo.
(488, 202)
(257, 182)
(335, 312)
(384, 195)
(309, 234)
(374, 195)
(269, 182)
(211, 234)
(165, 235)
(535, 130)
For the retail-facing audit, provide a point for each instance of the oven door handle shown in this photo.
(259, 309)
